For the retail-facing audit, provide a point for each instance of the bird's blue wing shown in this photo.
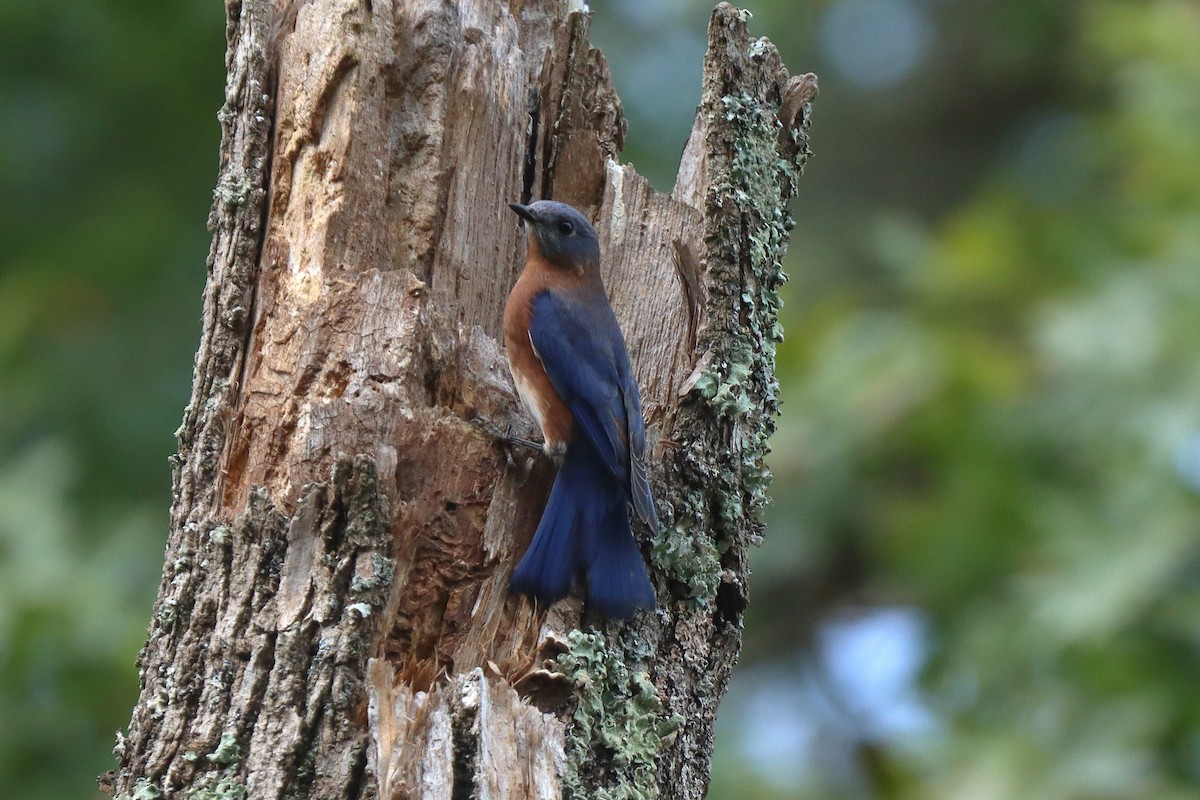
(581, 348)
(579, 345)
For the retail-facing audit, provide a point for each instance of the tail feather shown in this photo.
(586, 524)
(549, 565)
(617, 579)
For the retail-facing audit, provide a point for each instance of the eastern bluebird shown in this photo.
(570, 366)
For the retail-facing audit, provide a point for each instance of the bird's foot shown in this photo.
(505, 434)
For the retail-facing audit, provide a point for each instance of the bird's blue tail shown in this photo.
(586, 524)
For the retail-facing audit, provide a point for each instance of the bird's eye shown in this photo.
(566, 228)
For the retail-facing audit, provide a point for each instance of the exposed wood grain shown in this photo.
(333, 619)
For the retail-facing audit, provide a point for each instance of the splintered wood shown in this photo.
(518, 749)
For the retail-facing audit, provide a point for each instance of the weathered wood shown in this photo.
(333, 619)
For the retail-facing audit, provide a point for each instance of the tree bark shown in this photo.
(333, 619)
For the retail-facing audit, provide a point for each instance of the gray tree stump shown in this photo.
(333, 620)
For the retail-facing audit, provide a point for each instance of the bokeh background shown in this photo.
(981, 575)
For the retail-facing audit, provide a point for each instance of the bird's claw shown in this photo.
(505, 434)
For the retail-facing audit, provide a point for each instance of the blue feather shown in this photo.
(586, 522)
(586, 525)
(581, 347)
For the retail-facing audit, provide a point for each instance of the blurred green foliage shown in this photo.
(993, 416)
(108, 144)
(991, 385)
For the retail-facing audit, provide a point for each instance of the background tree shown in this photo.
(990, 340)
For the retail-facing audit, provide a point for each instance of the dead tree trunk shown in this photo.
(333, 620)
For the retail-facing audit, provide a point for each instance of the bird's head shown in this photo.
(562, 235)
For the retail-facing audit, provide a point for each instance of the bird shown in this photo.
(571, 369)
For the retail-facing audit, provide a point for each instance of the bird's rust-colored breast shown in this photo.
(533, 384)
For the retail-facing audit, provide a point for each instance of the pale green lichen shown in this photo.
(216, 784)
(619, 724)
(760, 181)
(726, 386)
(220, 536)
(690, 560)
(159, 702)
(143, 790)
(213, 786)
(375, 582)
(228, 751)
(723, 487)
(232, 192)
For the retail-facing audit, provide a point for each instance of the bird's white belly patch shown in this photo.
(541, 406)
(529, 399)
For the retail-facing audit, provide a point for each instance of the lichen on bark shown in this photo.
(619, 725)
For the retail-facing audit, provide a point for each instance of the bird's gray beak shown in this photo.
(523, 212)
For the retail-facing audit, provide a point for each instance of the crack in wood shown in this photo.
(531, 148)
